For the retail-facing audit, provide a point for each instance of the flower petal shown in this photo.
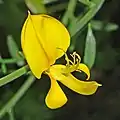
(52, 34)
(33, 50)
(81, 87)
(85, 69)
(55, 97)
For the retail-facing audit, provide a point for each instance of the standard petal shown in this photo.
(55, 97)
(85, 69)
(81, 87)
(53, 35)
(33, 50)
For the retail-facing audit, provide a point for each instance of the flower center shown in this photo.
(72, 65)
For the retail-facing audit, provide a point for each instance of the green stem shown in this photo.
(79, 23)
(56, 8)
(12, 102)
(85, 2)
(11, 114)
(69, 12)
(48, 1)
(8, 61)
(13, 76)
(36, 6)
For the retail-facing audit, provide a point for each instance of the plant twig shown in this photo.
(10, 77)
(69, 12)
(12, 102)
(80, 22)
(11, 114)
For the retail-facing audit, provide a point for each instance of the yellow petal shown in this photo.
(33, 50)
(55, 97)
(81, 87)
(52, 35)
(85, 69)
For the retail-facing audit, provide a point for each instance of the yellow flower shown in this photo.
(44, 39)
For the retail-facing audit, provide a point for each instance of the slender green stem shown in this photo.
(69, 12)
(85, 2)
(13, 76)
(80, 22)
(12, 102)
(11, 114)
(36, 6)
(8, 61)
(56, 8)
(48, 1)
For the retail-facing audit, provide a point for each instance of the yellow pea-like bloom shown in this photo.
(44, 39)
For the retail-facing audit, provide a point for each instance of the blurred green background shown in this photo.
(105, 103)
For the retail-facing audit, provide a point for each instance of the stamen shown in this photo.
(66, 58)
(71, 65)
(76, 57)
(73, 58)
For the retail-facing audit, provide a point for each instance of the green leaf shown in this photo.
(104, 26)
(90, 48)
(12, 47)
(3, 68)
(14, 50)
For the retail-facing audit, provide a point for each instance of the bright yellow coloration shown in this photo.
(55, 97)
(44, 39)
(81, 87)
(40, 38)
